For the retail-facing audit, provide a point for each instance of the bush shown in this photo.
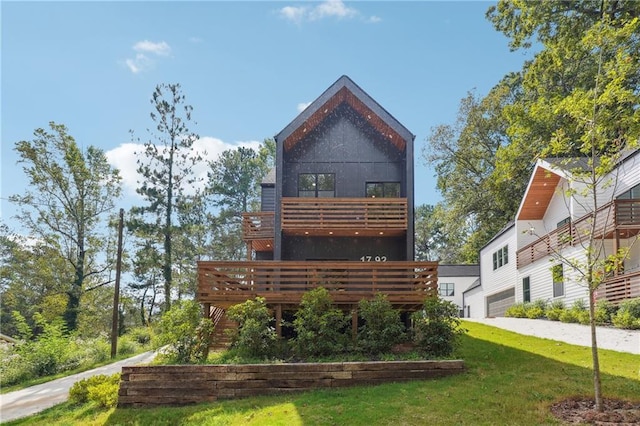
(628, 315)
(141, 335)
(537, 309)
(186, 334)
(604, 312)
(127, 346)
(555, 310)
(577, 314)
(382, 327)
(320, 328)
(255, 336)
(437, 327)
(101, 389)
(516, 311)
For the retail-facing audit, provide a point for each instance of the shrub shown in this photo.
(320, 328)
(255, 336)
(101, 389)
(536, 309)
(555, 310)
(628, 315)
(127, 346)
(141, 335)
(605, 310)
(516, 311)
(437, 327)
(186, 334)
(382, 327)
(577, 314)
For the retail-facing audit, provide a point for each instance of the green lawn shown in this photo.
(510, 379)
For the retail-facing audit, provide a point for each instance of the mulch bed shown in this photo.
(582, 410)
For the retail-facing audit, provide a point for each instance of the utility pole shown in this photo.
(116, 293)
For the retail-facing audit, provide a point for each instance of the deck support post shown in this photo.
(279, 320)
(249, 250)
(354, 322)
(206, 312)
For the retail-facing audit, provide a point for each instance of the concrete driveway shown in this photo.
(34, 399)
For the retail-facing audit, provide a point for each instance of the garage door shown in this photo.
(498, 303)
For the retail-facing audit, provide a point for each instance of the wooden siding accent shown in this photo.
(619, 288)
(621, 216)
(153, 386)
(539, 194)
(344, 216)
(406, 284)
(344, 95)
(258, 230)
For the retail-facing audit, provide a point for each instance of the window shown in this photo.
(526, 290)
(383, 189)
(563, 222)
(633, 193)
(557, 272)
(316, 185)
(446, 289)
(501, 257)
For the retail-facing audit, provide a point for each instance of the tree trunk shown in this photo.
(597, 386)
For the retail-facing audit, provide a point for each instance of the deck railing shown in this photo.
(224, 283)
(257, 226)
(377, 214)
(608, 218)
(619, 288)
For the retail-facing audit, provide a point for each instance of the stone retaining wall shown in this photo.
(189, 384)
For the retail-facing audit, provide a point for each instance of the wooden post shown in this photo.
(116, 292)
(279, 320)
(354, 322)
(249, 250)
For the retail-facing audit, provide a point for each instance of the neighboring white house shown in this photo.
(520, 263)
(453, 280)
(473, 301)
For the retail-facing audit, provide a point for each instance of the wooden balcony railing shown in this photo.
(226, 283)
(620, 214)
(619, 288)
(344, 216)
(258, 226)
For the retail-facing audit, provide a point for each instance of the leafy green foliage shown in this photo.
(256, 336)
(321, 329)
(628, 315)
(604, 312)
(100, 389)
(185, 333)
(437, 327)
(555, 310)
(382, 327)
(537, 309)
(517, 310)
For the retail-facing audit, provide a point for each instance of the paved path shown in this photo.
(575, 334)
(28, 401)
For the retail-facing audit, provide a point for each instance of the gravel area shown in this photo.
(575, 334)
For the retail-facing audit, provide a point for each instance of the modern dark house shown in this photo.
(337, 212)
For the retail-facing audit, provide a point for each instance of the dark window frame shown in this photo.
(317, 181)
(501, 257)
(526, 289)
(384, 186)
(447, 289)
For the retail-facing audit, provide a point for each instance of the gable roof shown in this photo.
(345, 91)
(508, 226)
(469, 270)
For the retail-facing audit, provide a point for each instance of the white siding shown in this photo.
(505, 277)
(474, 303)
(460, 285)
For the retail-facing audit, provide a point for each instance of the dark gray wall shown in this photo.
(346, 145)
(268, 198)
(342, 248)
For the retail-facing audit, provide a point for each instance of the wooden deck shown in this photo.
(619, 288)
(619, 218)
(406, 284)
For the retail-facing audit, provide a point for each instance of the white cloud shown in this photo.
(143, 60)
(195, 40)
(327, 9)
(161, 48)
(302, 106)
(125, 157)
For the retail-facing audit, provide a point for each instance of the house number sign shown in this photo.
(368, 258)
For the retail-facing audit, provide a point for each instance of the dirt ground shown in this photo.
(582, 411)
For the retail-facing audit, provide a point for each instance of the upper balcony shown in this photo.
(620, 218)
(343, 217)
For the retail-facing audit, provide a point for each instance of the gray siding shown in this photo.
(268, 198)
(314, 248)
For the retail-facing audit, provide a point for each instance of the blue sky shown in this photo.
(246, 68)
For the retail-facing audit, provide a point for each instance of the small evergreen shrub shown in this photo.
(141, 335)
(605, 311)
(555, 310)
(321, 329)
(536, 309)
(577, 314)
(382, 327)
(127, 345)
(517, 310)
(437, 327)
(628, 315)
(256, 336)
(101, 389)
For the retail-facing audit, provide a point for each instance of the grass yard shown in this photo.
(510, 379)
